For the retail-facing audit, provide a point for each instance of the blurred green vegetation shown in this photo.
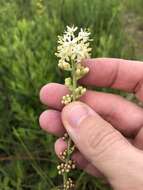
(135, 6)
(28, 39)
(134, 24)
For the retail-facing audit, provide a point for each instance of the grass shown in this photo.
(28, 36)
(134, 25)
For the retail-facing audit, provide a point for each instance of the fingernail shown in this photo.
(76, 113)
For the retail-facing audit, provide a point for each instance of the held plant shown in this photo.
(72, 47)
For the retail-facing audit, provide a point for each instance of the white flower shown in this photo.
(70, 30)
(84, 35)
(73, 47)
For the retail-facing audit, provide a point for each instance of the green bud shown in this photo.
(68, 83)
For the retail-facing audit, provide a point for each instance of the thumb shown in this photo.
(96, 139)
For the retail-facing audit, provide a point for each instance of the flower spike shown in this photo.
(72, 48)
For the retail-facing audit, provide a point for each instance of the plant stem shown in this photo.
(74, 80)
(74, 85)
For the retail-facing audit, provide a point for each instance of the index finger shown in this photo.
(115, 73)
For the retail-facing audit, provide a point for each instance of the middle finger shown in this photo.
(125, 116)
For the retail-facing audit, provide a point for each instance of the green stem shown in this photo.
(74, 80)
(74, 85)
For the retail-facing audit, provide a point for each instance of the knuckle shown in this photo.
(99, 141)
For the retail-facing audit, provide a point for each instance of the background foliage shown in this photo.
(28, 35)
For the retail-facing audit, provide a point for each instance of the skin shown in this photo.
(106, 128)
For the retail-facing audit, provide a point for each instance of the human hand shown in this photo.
(106, 128)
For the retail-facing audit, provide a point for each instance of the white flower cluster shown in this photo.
(73, 47)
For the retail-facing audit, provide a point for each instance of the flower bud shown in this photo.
(78, 72)
(66, 99)
(66, 66)
(83, 91)
(68, 83)
(86, 70)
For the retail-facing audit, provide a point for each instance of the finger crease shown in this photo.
(115, 76)
(137, 86)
